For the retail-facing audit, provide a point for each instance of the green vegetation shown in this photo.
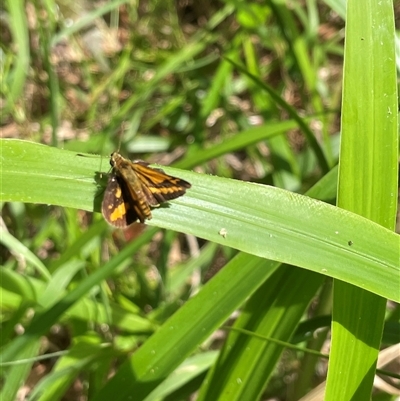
(227, 293)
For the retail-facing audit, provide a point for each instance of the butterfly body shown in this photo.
(134, 187)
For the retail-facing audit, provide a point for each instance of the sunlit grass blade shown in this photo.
(257, 219)
(43, 321)
(188, 328)
(237, 142)
(368, 172)
(246, 363)
(16, 80)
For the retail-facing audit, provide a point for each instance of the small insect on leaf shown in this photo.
(133, 188)
(223, 232)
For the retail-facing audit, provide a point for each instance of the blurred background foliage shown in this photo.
(163, 81)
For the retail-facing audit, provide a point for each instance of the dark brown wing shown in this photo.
(117, 207)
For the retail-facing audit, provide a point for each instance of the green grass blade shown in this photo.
(237, 142)
(17, 374)
(367, 186)
(87, 20)
(269, 313)
(43, 321)
(246, 363)
(81, 355)
(292, 113)
(12, 243)
(189, 369)
(258, 219)
(188, 327)
(19, 27)
(304, 57)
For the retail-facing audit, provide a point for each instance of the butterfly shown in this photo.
(133, 188)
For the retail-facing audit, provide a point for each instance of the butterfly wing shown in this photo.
(116, 207)
(158, 186)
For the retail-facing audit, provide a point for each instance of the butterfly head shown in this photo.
(115, 157)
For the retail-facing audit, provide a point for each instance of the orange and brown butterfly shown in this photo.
(134, 187)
